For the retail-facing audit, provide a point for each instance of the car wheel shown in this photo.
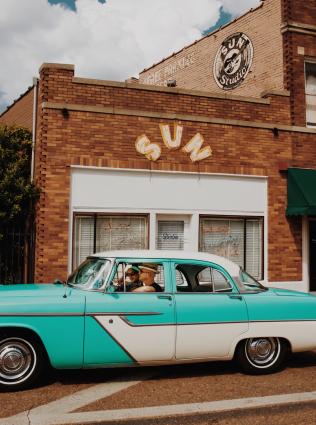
(21, 361)
(261, 355)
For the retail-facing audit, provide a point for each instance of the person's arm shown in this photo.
(144, 289)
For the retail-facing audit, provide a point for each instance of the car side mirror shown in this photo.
(59, 282)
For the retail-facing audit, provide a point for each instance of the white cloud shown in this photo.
(236, 8)
(109, 41)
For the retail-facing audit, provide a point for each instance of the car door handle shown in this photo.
(165, 297)
(235, 297)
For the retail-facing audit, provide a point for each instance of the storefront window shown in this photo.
(96, 233)
(238, 239)
(310, 91)
(170, 235)
(84, 238)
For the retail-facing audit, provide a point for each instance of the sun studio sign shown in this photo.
(233, 61)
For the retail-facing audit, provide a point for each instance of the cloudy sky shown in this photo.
(106, 39)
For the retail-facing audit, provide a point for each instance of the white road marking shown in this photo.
(171, 410)
(75, 401)
(59, 411)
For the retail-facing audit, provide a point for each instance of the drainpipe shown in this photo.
(35, 84)
(27, 246)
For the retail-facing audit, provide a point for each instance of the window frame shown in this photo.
(230, 279)
(308, 61)
(244, 218)
(163, 262)
(95, 216)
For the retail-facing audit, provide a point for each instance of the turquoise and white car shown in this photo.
(207, 308)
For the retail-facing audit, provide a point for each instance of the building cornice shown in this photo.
(298, 27)
(68, 66)
(180, 117)
(172, 90)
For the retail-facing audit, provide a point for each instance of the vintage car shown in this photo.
(150, 308)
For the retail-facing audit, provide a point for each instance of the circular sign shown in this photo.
(233, 61)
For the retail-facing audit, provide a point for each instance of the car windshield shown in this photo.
(248, 283)
(91, 274)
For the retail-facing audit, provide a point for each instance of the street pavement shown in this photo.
(208, 393)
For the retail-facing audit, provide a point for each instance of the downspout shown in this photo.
(28, 245)
(34, 123)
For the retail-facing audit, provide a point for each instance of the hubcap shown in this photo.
(17, 360)
(262, 352)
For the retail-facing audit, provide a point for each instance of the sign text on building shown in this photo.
(152, 151)
(233, 61)
(161, 76)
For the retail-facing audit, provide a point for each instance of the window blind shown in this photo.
(254, 248)
(224, 237)
(84, 237)
(310, 90)
(121, 232)
(170, 235)
(239, 240)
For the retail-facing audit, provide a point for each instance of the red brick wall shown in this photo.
(108, 139)
(300, 11)
(21, 112)
(299, 46)
(261, 25)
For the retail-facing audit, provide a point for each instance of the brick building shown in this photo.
(213, 150)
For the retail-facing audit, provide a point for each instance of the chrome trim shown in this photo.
(150, 313)
(262, 352)
(136, 325)
(124, 313)
(18, 360)
(9, 314)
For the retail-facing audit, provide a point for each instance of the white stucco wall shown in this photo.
(167, 195)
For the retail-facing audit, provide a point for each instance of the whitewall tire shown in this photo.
(261, 355)
(21, 361)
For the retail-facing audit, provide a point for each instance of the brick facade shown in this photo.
(96, 123)
(192, 67)
(100, 127)
(21, 112)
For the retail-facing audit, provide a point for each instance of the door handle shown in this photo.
(165, 297)
(235, 297)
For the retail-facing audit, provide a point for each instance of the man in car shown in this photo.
(147, 277)
(131, 279)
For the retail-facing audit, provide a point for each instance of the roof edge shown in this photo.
(16, 100)
(68, 66)
(253, 9)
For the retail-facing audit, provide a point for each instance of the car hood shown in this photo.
(31, 290)
(290, 293)
(42, 299)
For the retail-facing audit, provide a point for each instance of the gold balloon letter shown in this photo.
(174, 143)
(194, 146)
(145, 147)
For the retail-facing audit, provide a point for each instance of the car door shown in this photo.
(211, 315)
(130, 327)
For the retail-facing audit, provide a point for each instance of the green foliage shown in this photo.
(17, 193)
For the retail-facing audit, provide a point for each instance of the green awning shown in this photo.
(301, 192)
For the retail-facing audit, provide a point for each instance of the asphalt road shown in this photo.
(181, 385)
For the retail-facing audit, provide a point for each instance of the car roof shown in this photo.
(230, 266)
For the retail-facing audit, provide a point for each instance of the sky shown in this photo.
(104, 39)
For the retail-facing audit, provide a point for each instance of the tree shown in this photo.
(17, 193)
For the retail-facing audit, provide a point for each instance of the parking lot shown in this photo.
(193, 393)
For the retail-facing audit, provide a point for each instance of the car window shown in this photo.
(220, 282)
(199, 278)
(91, 274)
(247, 283)
(139, 277)
(181, 282)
